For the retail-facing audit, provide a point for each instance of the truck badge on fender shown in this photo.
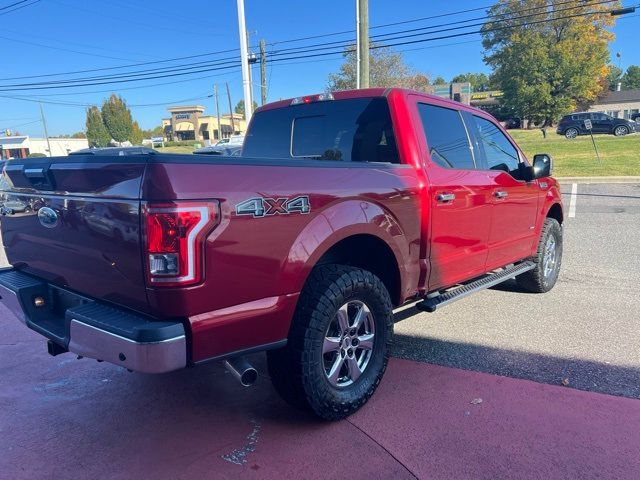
(262, 207)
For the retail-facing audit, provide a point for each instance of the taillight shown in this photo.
(174, 241)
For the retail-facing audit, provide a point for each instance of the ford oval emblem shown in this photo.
(48, 217)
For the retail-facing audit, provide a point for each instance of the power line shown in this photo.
(13, 5)
(189, 57)
(139, 64)
(21, 125)
(86, 105)
(200, 67)
(20, 7)
(397, 35)
(296, 55)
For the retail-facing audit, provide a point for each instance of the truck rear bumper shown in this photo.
(91, 329)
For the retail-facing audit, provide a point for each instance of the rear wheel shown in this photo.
(571, 133)
(548, 260)
(338, 346)
(621, 130)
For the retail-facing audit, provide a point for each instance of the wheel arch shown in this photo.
(361, 234)
(367, 252)
(555, 212)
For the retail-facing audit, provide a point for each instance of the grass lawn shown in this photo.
(619, 155)
(177, 149)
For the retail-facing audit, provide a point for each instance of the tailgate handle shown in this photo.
(34, 172)
(39, 177)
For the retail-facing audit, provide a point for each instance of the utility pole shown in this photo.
(363, 43)
(215, 94)
(357, 43)
(244, 58)
(263, 72)
(46, 133)
(233, 125)
(251, 59)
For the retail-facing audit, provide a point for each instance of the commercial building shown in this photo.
(460, 92)
(188, 122)
(22, 146)
(621, 104)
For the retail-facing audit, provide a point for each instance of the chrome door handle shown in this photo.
(446, 197)
(500, 194)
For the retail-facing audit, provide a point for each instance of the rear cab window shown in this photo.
(447, 137)
(349, 130)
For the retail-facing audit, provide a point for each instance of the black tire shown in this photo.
(299, 371)
(571, 133)
(536, 280)
(621, 130)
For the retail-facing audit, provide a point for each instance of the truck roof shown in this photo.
(371, 92)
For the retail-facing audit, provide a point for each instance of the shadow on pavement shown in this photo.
(580, 374)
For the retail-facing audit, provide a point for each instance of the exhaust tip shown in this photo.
(242, 370)
(249, 377)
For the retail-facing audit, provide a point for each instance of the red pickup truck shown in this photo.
(341, 207)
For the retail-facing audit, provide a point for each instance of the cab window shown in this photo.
(499, 152)
(447, 137)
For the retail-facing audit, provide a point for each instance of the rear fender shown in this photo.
(343, 220)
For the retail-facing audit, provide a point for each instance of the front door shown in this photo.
(459, 201)
(601, 123)
(515, 201)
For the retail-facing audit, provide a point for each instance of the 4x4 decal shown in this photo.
(262, 207)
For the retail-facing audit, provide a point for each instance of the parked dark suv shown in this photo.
(573, 125)
(636, 118)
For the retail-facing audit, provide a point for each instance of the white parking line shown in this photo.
(572, 200)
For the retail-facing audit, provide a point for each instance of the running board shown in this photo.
(431, 304)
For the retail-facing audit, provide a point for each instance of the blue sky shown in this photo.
(53, 36)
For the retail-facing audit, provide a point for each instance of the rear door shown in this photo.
(601, 122)
(75, 221)
(459, 197)
(515, 201)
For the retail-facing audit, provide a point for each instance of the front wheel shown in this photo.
(548, 259)
(338, 346)
(571, 133)
(620, 131)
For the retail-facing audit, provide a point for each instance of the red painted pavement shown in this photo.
(63, 418)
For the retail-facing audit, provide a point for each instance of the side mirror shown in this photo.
(542, 165)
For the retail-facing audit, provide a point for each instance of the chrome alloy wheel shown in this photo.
(620, 131)
(571, 133)
(550, 257)
(348, 344)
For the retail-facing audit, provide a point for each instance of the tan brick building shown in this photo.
(188, 122)
(620, 104)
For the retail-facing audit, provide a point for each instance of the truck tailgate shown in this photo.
(75, 221)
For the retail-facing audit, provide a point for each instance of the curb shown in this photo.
(629, 179)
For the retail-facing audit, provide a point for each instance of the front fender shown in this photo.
(549, 198)
(343, 220)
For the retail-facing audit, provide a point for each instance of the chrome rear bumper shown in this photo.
(91, 329)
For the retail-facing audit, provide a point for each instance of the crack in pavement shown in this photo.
(384, 448)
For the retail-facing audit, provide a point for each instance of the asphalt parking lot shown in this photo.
(584, 330)
(475, 391)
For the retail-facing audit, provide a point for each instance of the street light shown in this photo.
(622, 11)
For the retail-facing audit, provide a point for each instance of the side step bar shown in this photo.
(432, 303)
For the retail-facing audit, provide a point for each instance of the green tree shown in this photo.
(479, 81)
(240, 107)
(613, 77)
(97, 133)
(631, 78)
(117, 118)
(386, 69)
(439, 81)
(137, 135)
(549, 64)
